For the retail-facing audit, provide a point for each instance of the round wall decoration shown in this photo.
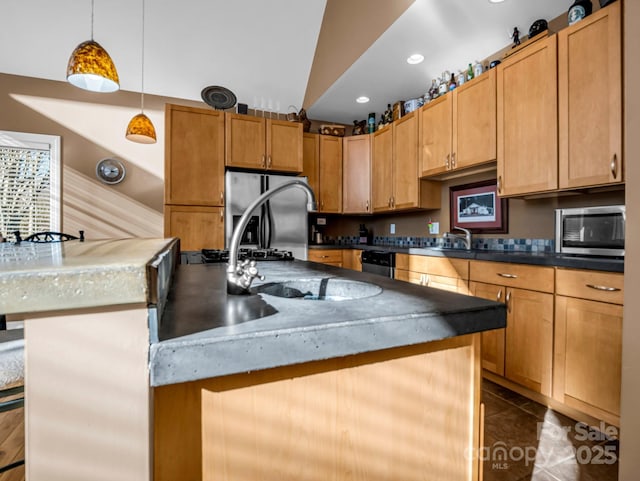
(219, 98)
(110, 171)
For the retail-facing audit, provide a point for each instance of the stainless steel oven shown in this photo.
(379, 262)
(597, 231)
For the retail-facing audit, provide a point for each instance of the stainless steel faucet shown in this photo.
(466, 238)
(240, 276)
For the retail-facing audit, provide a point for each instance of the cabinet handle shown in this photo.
(446, 162)
(221, 215)
(393, 202)
(269, 162)
(508, 276)
(221, 198)
(263, 162)
(389, 203)
(499, 296)
(614, 166)
(324, 257)
(367, 206)
(508, 301)
(499, 184)
(603, 288)
(427, 279)
(453, 160)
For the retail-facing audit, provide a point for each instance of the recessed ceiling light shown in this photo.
(362, 100)
(496, 1)
(415, 58)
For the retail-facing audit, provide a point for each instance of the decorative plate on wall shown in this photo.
(110, 171)
(219, 98)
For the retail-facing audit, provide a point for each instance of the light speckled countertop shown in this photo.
(36, 277)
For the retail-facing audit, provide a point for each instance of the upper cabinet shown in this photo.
(323, 168)
(356, 170)
(395, 181)
(259, 143)
(527, 120)
(458, 130)
(590, 100)
(194, 156)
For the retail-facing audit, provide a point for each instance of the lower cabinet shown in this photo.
(352, 259)
(197, 227)
(440, 272)
(588, 342)
(332, 257)
(523, 352)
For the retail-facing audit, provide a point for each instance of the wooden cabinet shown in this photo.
(356, 170)
(444, 273)
(458, 130)
(332, 257)
(588, 342)
(198, 227)
(395, 181)
(493, 342)
(323, 167)
(590, 100)
(194, 156)
(352, 259)
(528, 339)
(527, 120)
(259, 143)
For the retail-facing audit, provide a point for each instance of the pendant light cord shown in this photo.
(142, 76)
(91, 19)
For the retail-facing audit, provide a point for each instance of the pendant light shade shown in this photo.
(90, 67)
(141, 130)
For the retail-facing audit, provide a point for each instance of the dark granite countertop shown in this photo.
(519, 257)
(205, 333)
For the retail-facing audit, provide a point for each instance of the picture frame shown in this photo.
(478, 208)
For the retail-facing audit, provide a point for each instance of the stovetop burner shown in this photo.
(217, 255)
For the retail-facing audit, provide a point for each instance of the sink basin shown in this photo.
(325, 289)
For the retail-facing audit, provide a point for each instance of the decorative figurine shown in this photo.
(306, 123)
(359, 127)
(516, 37)
(579, 10)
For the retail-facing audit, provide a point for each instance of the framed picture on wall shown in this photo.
(478, 208)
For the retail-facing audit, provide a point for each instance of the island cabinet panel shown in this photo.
(588, 342)
(322, 165)
(194, 156)
(590, 100)
(439, 272)
(196, 227)
(356, 181)
(527, 120)
(264, 144)
(392, 414)
(527, 341)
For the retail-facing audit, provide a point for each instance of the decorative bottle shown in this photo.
(470, 72)
(452, 82)
(579, 10)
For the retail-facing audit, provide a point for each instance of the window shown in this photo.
(29, 183)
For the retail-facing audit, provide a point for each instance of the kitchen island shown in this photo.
(382, 384)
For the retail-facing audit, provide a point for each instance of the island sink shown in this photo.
(323, 289)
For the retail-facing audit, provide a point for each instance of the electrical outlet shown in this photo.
(392, 229)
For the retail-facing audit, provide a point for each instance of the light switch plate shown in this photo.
(392, 229)
(434, 227)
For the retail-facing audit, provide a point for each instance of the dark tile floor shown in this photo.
(525, 441)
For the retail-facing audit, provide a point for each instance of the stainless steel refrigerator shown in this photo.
(280, 223)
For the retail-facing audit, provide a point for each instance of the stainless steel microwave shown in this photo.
(596, 231)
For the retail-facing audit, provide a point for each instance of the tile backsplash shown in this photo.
(479, 243)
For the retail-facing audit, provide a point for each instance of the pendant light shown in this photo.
(140, 128)
(90, 67)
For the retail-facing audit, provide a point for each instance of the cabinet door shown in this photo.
(528, 120)
(194, 167)
(284, 146)
(406, 184)
(588, 356)
(356, 182)
(352, 259)
(310, 158)
(529, 339)
(435, 136)
(197, 227)
(330, 167)
(245, 141)
(474, 121)
(590, 100)
(493, 342)
(332, 257)
(381, 169)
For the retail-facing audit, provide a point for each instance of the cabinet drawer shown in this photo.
(592, 285)
(534, 278)
(440, 266)
(326, 256)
